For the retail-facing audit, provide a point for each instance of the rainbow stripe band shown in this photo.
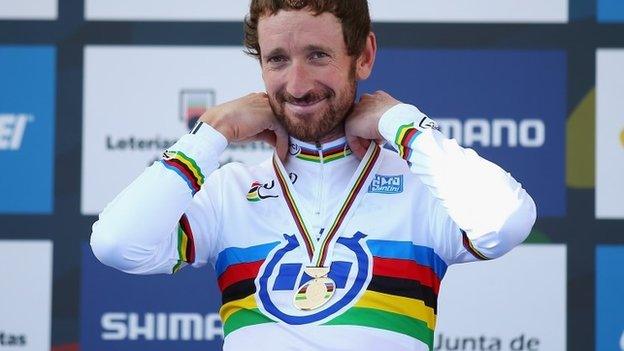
(470, 247)
(332, 154)
(186, 244)
(236, 270)
(185, 167)
(405, 137)
(402, 294)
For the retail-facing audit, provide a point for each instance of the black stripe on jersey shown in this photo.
(238, 290)
(470, 248)
(405, 288)
(197, 126)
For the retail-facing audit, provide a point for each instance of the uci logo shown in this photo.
(282, 274)
(259, 191)
(254, 194)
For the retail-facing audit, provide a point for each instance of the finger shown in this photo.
(281, 142)
(365, 144)
(356, 146)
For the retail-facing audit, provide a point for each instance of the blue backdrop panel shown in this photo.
(610, 11)
(27, 92)
(609, 298)
(125, 312)
(491, 85)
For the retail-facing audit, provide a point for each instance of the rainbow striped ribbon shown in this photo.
(367, 165)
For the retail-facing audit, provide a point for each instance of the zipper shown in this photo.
(319, 197)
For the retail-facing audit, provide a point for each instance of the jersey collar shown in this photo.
(320, 153)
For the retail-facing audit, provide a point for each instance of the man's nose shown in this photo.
(299, 80)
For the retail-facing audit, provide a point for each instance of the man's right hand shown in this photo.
(246, 119)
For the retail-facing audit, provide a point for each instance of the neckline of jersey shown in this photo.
(320, 153)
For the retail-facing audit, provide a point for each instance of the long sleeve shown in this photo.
(168, 216)
(480, 211)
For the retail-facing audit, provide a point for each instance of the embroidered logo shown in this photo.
(294, 149)
(427, 122)
(258, 191)
(255, 193)
(383, 184)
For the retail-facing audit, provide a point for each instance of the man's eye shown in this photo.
(318, 55)
(276, 59)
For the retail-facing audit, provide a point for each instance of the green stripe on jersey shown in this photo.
(244, 318)
(374, 318)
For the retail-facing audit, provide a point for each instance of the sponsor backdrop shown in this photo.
(503, 11)
(164, 10)
(510, 106)
(610, 133)
(29, 9)
(609, 303)
(610, 11)
(500, 287)
(167, 102)
(160, 312)
(480, 11)
(92, 91)
(26, 129)
(26, 294)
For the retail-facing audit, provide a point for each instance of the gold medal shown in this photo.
(317, 291)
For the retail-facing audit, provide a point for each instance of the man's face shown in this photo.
(309, 77)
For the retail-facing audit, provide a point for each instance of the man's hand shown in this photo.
(361, 126)
(246, 119)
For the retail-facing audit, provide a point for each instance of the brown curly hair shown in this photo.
(352, 14)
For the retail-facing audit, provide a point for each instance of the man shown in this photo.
(334, 243)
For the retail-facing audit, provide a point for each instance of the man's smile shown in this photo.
(304, 106)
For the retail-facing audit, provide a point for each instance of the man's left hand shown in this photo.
(362, 125)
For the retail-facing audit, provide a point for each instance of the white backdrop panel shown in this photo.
(511, 300)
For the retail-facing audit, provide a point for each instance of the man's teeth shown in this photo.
(305, 103)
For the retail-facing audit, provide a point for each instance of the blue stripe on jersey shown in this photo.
(234, 255)
(406, 250)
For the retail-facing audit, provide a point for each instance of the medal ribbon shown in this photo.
(366, 166)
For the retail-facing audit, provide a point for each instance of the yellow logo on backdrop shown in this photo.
(622, 137)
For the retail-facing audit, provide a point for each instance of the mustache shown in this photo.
(310, 97)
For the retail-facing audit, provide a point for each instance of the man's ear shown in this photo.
(364, 63)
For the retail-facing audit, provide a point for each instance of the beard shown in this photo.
(322, 124)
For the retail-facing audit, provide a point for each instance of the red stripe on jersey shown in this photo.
(184, 170)
(408, 137)
(406, 269)
(237, 272)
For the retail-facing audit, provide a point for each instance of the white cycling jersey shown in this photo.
(386, 227)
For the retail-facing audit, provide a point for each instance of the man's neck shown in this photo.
(335, 134)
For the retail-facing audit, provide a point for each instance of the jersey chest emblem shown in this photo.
(282, 274)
